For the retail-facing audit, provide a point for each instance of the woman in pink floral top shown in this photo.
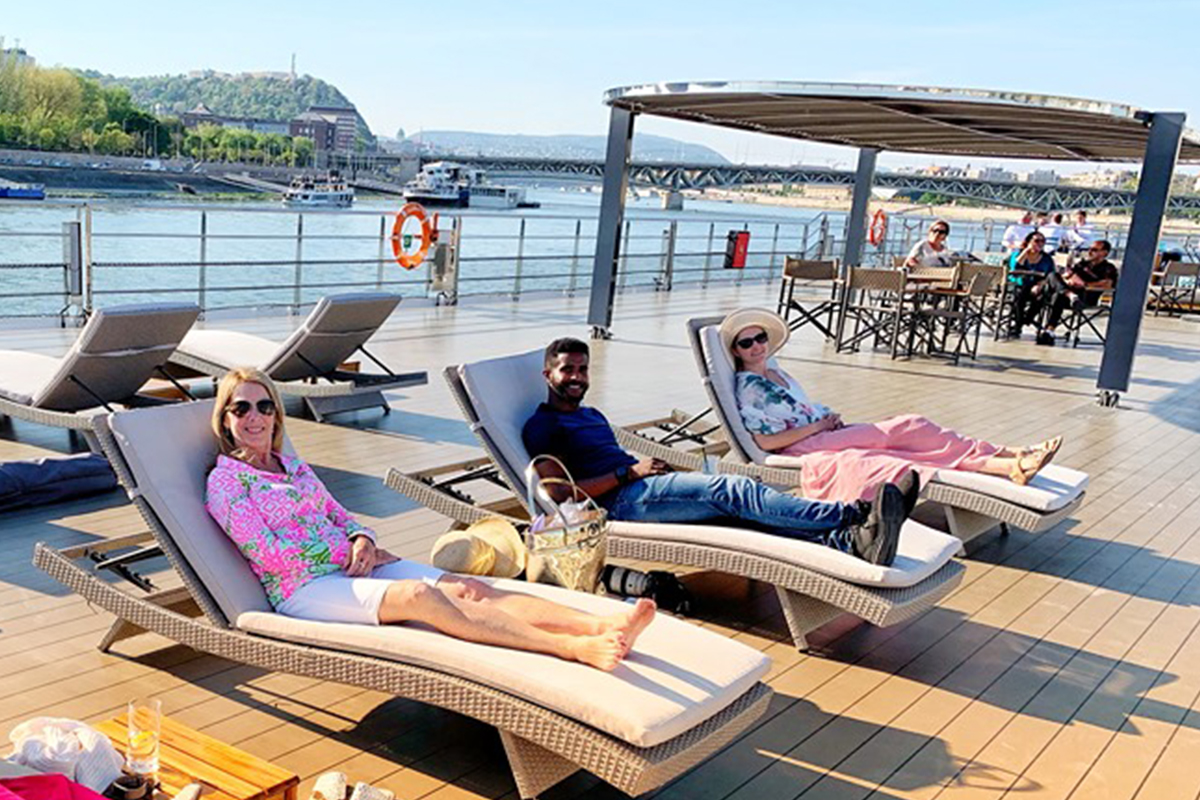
(315, 561)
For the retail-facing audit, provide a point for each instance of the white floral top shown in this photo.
(767, 407)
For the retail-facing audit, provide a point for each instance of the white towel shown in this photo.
(71, 748)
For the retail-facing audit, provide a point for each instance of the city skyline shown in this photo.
(542, 68)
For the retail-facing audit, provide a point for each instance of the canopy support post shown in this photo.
(856, 223)
(612, 216)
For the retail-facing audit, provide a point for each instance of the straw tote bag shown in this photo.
(568, 549)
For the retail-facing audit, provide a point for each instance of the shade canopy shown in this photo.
(913, 119)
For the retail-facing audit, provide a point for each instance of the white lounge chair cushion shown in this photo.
(23, 375)
(229, 348)
(678, 676)
(1051, 489)
(723, 377)
(922, 550)
(505, 392)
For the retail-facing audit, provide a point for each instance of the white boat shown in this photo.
(445, 183)
(328, 192)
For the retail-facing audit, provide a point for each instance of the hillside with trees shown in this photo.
(264, 97)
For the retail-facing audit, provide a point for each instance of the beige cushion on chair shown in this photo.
(228, 349)
(23, 375)
(678, 676)
(922, 550)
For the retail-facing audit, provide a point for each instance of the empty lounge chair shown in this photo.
(308, 364)
(971, 502)
(118, 350)
(680, 696)
(814, 583)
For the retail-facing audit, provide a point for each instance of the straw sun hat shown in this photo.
(490, 546)
(769, 321)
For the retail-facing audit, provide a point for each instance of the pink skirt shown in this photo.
(847, 464)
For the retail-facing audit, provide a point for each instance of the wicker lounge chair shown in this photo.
(668, 706)
(309, 363)
(814, 583)
(972, 503)
(118, 350)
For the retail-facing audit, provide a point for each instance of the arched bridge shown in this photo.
(661, 175)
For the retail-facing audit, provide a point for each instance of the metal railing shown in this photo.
(227, 258)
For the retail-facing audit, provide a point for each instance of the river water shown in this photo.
(145, 250)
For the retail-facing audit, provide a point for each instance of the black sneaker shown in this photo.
(1045, 338)
(909, 485)
(876, 539)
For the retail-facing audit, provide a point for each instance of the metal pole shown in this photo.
(712, 227)
(88, 262)
(856, 223)
(575, 260)
(299, 261)
(774, 247)
(520, 259)
(612, 212)
(624, 259)
(1141, 246)
(203, 260)
(669, 260)
(383, 237)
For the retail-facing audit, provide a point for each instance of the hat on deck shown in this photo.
(490, 546)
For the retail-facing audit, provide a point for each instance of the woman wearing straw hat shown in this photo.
(843, 462)
(315, 561)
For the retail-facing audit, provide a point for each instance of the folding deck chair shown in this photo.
(683, 694)
(815, 584)
(308, 364)
(972, 503)
(118, 350)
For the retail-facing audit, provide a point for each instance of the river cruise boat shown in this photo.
(444, 183)
(330, 191)
(22, 191)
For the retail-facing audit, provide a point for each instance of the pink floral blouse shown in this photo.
(288, 526)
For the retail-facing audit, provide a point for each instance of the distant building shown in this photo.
(991, 174)
(1043, 176)
(17, 55)
(202, 115)
(333, 128)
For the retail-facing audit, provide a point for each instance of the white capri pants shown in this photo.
(340, 598)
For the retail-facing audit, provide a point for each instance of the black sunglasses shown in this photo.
(750, 341)
(945, 231)
(241, 408)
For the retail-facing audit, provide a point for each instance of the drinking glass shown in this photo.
(145, 727)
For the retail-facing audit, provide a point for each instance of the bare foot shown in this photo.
(631, 623)
(603, 651)
(1026, 466)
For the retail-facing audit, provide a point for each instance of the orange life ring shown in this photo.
(401, 243)
(878, 228)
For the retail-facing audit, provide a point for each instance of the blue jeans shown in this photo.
(734, 499)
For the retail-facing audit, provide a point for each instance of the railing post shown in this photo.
(666, 280)
(824, 243)
(804, 243)
(774, 245)
(299, 276)
(575, 260)
(72, 270)
(88, 259)
(520, 260)
(712, 229)
(203, 293)
(625, 258)
(383, 241)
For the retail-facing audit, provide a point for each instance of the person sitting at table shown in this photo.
(1028, 269)
(316, 561)
(1079, 287)
(1053, 231)
(1015, 234)
(843, 460)
(1079, 237)
(932, 252)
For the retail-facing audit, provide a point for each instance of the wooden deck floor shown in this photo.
(1066, 665)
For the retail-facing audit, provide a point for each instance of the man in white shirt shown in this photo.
(1081, 235)
(1014, 235)
(1053, 231)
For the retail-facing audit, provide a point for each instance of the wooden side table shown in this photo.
(188, 756)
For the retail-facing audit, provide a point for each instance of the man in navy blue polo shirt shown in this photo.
(648, 490)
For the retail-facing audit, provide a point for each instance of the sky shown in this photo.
(542, 67)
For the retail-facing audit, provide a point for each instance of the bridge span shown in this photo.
(676, 177)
